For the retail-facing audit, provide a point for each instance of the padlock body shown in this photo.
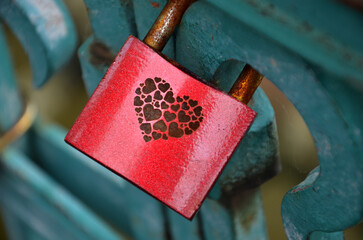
(161, 129)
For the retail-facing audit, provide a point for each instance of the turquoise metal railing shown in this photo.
(50, 191)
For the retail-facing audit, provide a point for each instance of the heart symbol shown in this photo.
(151, 113)
(161, 115)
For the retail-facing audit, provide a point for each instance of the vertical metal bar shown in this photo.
(165, 24)
(246, 84)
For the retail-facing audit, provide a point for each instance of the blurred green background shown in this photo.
(65, 97)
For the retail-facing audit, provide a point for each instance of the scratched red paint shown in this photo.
(178, 171)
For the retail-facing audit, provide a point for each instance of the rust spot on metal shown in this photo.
(245, 208)
(101, 54)
(247, 221)
(155, 4)
(165, 24)
(246, 84)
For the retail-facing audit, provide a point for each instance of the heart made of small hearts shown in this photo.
(161, 115)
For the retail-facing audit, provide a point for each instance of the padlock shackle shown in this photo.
(165, 24)
(246, 84)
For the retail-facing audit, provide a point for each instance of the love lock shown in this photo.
(161, 127)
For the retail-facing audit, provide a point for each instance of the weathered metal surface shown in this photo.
(95, 54)
(312, 31)
(145, 14)
(246, 84)
(129, 18)
(216, 220)
(239, 217)
(112, 21)
(348, 98)
(166, 23)
(181, 228)
(46, 31)
(92, 72)
(339, 184)
(326, 236)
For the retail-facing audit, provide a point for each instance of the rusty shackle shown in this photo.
(164, 26)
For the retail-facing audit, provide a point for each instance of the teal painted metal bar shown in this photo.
(181, 228)
(13, 225)
(112, 21)
(294, 26)
(45, 30)
(91, 74)
(10, 101)
(122, 204)
(51, 196)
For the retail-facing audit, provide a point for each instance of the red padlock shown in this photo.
(160, 128)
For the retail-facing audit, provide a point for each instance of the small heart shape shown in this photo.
(147, 138)
(138, 101)
(194, 125)
(151, 113)
(164, 87)
(169, 116)
(169, 97)
(146, 127)
(148, 99)
(156, 135)
(158, 95)
(175, 131)
(175, 108)
(164, 105)
(198, 111)
(160, 125)
(188, 131)
(193, 103)
(182, 117)
(185, 106)
(149, 86)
